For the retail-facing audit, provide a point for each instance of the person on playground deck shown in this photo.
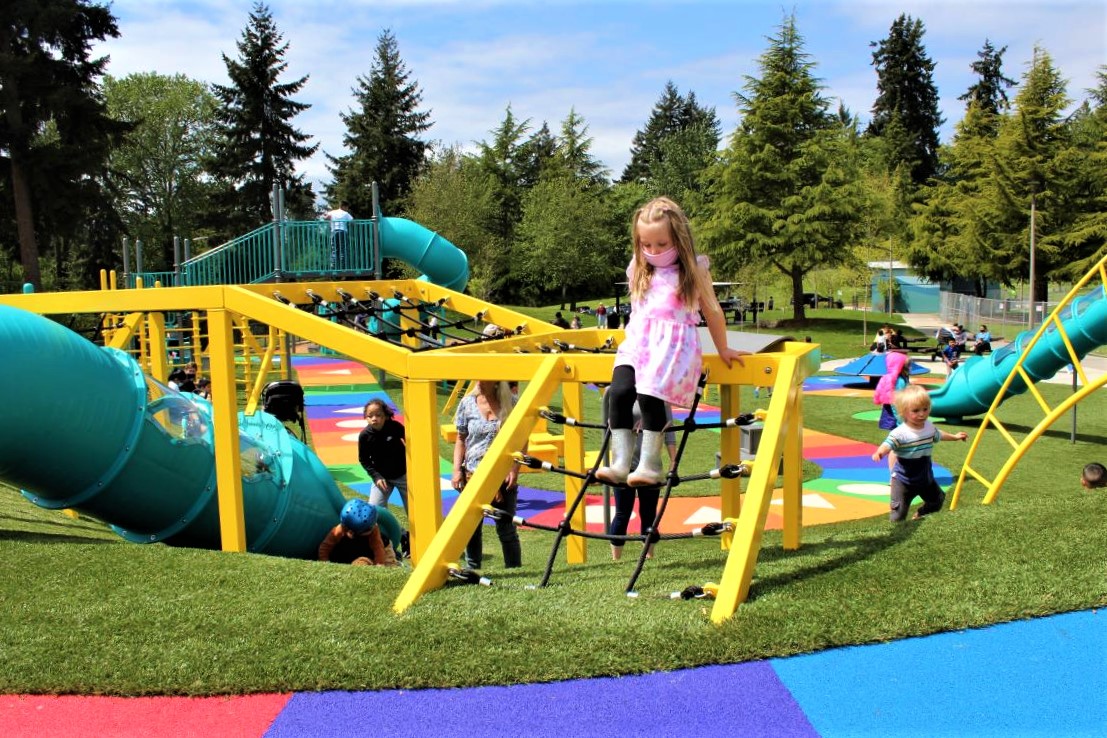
(660, 358)
(357, 538)
(340, 219)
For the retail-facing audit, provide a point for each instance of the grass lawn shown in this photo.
(85, 612)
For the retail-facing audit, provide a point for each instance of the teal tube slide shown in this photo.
(439, 260)
(971, 389)
(83, 428)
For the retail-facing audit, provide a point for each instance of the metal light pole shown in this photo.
(889, 278)
(1033, 208)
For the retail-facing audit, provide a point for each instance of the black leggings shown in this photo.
(624, 506)
(623, 392)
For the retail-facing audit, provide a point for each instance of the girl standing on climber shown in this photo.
(660, 359)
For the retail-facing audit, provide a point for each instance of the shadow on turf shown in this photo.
(68, 531)
(853, 550)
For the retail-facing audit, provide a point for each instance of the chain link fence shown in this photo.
(1003, 317)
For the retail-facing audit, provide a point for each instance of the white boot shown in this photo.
(648, 472)
(622, 450)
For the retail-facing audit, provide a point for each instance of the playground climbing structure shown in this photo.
(385, 324)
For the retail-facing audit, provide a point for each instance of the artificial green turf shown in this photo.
(84, 612)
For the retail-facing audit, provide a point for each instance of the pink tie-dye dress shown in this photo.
(662, 343)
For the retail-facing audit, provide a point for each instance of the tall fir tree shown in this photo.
(785, 191)
(1085, 242)
(506, 159)
(382, 136)
(55, 133)
(535, 156)
(1033, 174)
(574, 153)
(989, 92)
(258, 146)
(906, 107)
(673, 114)
(952, 222)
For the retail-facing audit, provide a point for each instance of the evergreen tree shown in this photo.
(672, 115)
(907, 97)
(989, 92)
(536, 155)
(1085, 242)
(785, 191)
(954, 236)
(258, 146)
(382, 136)
(507, 160)
(55, 133)
(953, 225)
(1033, 172)
(573, 152)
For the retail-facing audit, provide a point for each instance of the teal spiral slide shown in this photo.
(971, 389)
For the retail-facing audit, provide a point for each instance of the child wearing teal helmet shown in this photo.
(357, 538)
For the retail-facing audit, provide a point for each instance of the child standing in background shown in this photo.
(660, 358)
(911, 445)
(382, 452)
(895, 378)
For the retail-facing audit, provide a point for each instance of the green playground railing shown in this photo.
(300, 250)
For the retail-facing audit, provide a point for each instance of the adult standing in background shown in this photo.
(601, 316)
(479, 417)
(340, 220)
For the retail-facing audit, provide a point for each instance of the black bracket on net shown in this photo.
(606, 347)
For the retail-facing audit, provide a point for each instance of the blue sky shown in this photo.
(607, 59)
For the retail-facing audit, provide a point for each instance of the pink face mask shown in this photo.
(666, 258)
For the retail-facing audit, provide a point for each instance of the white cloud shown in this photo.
(607, 60)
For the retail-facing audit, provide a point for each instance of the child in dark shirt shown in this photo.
(382, 452)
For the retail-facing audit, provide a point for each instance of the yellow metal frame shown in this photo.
(529, 356)
(1050, 415)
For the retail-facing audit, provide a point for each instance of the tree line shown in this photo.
(800, 185)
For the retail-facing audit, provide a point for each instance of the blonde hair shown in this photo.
(691, 276)
(505, 398)
(911, 397)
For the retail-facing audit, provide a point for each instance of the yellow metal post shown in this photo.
(793, 470)
(424, 510)
(159, 359)
(228, 461)
(730, 452)
(466, 514)
(572, 398)
(738, 573)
